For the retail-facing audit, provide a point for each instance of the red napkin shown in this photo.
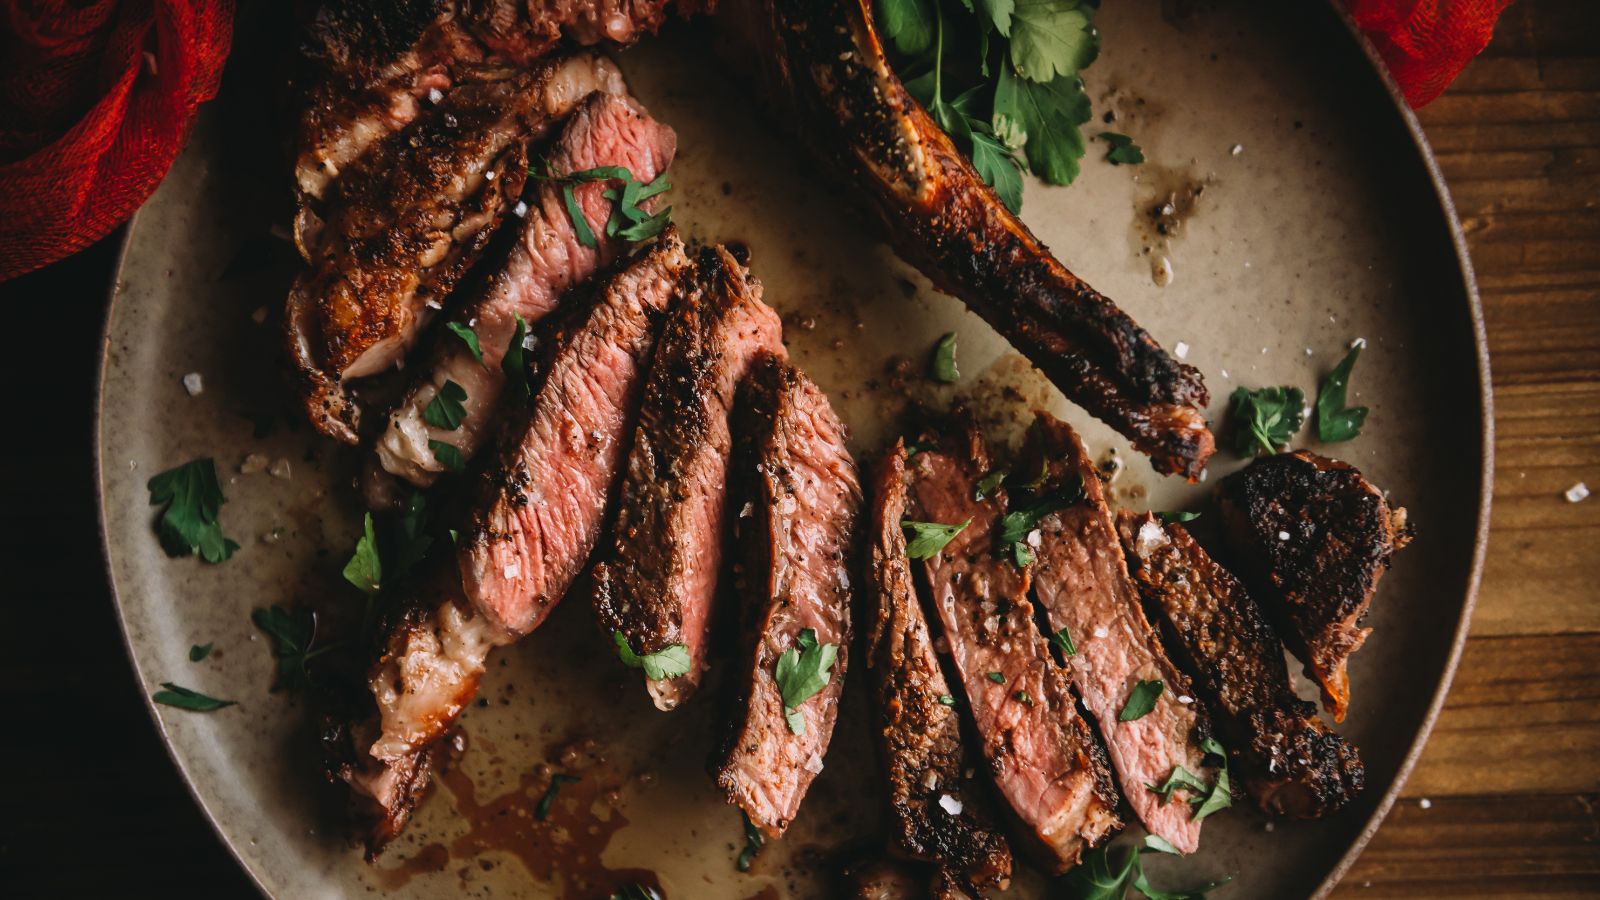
(96, 100)
(1426, 43)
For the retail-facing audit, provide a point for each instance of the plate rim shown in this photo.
(1486, 434)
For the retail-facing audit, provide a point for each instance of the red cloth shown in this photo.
(1426, 43)
(96, 100)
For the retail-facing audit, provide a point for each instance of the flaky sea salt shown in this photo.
(1283, 535)
(1181, 349)
(1101, 631)
(1425, 803)
(511, 570)
(1185, 699)
(1577, 493)
(520, 210)
(1236, 149)
(279, 468)
(435, 95)
(950, 804)
(194, 384)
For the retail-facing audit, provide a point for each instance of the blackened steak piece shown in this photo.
(823, 64)
(937, 813)
(656, 583)
(797, 529)
(609, 129)
(1291, 763)
(1313, 537)
(545, 503)
(1082, 582)
(1042, 755)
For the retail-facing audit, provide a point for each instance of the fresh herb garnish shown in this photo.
(627, 221)
(997, 677)
(1180, 778)
(189, 523)
(802, 671)
(1141, 700)
(668, 662)
(1161, 845)
(1123, 151)
(200, 651)
(928, 538)
(468, 337)
(1096, 879)
(946, 700)
(753, 841)
(293, 632)
(987, 484)
(915, 447)
(1221, 795)
(448, 455)
(411, 540)
(183, 698)
(1181, 516)
(1023, 697)
(445, 411)
(1335, 422)
(542, 811)
(1264, 420)
(1063, 639)
(943, 365)
(514, 364)
(1016, 525)
(580, 222)
(365, 568)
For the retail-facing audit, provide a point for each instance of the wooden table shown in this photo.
(1506, 799)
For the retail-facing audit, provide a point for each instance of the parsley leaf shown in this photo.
(200, 651)
(1221, 795)
(1180, 778)
(928, 538)
(445, 410)
(997, 164)
(514, 364)
(753, 841)
(1161, 845)
(542, 811)
(183, 698)
(668, 662)
(365, 568)
(1096, 879)
(1023, 697)
(997, 677)
(411, 538)
(1178, 516)
(943, 365)
(293, 631)
(1015, 525)
(1336, 422)
(189, 523)
(468, 337)
(1265, 420)
(580, 222)
(988, 483)
(1123, 151)
(909, 24)
(1063, 639)
(448, 455)
(1141, 700)
(1052, 37)
(803, 671)
(999, 13)
(946, 700)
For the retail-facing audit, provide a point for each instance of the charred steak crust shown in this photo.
(1291, 763)
(803, 499)
(1082, 582)
(828, 69)
(1313, 537)
(1040, 751)
(656, 583)
(920, 739)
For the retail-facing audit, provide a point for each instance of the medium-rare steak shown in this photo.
(823, 64)
(1041, 753)
(1082, 583)
(1292, 764)
(797, 532)
(405, 224)
(937, 812)
(655, 584)
(609, 129)
(1313, 537)
(546, 501)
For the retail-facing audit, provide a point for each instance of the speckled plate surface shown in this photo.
(1307, 214)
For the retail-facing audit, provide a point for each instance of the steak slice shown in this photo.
(1313, 538)
(798, 536)
(655, 584)
(1082, 583)
(1041, 753)
(609, 129)
(545, 503)
(822, 63)
(1292, 764)
(937, 812)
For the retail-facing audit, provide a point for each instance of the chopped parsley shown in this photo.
(293, 632)
(1221, 795)
(1178, 516)
(1097, 879)
(628, 221)
(802, 671)
(1016, 525)
(1160, 844)
(557, 781)
(1123, 151)
(184, 698)
(928, 538)
(1265, 420)
(189, 523)
(514, 362)
(753, 841)
(943, 365)
(946, 700)
(200, 651)
(1063, 639)
(365, 568)
(1180, 778)
(468, 337)
(445, 411)
(448, 455)
(1141, 700)
(997, 677)
(1023, 697)
(668, 662)
(1335, 421)
(988, 483)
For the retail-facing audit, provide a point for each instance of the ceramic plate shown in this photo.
(1307, 213)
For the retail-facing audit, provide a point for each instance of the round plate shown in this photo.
(1306, 213)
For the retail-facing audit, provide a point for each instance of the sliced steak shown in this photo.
(655, 584)
(1313, 538)
(1041, 753)
(546, 501)
(1082, 583)
(822, 64)
(797, 531)
(1292, 764)
(609, 129)
(937, 812)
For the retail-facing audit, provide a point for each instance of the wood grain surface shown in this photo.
(1505, 801)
